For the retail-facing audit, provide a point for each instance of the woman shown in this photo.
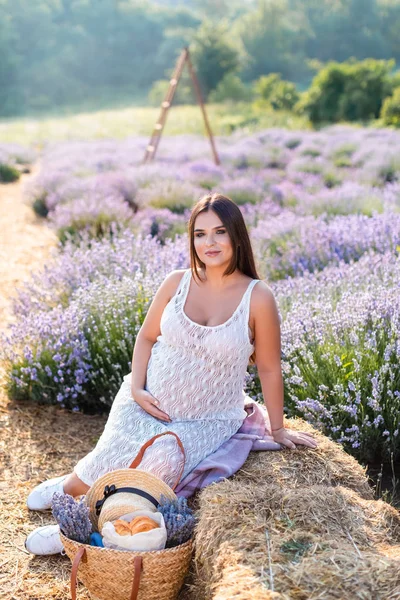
(189, 363)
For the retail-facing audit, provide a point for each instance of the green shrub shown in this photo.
(310, 167)
(275, 92)
(346, 149)
(341, 156)
(342, 162)
(390, 113)
(40, 207)
(389, 171)
(293, 143)
(349, 91)
(8, 174)
(331, 179)
(311, 152)
(231, 88)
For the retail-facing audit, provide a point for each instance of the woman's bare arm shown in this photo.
(267, 345)
(150, 330)
(268, 360)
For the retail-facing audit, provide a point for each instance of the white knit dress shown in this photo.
(197, 373)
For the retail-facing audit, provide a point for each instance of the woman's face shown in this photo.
(211, 240)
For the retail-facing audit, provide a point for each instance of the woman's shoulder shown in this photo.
(172, 281)
(262, 297)
(262, 303)
(176, 275)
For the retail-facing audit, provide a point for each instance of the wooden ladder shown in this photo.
(165, 105)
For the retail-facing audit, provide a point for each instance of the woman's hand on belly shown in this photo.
(149, 404)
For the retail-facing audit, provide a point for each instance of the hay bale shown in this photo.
(328, 465)
(295, 525)
(321, 538)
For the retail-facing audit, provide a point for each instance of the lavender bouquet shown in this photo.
(72, 517)
(179, 520)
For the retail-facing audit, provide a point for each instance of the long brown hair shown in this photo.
(232, 219)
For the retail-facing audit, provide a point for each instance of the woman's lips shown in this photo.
(212, 253)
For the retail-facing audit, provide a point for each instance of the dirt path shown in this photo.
(36, 443)
(25, 243)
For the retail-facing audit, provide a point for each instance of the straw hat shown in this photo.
(141, 490)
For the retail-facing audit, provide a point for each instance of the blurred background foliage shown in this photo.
(331, 60)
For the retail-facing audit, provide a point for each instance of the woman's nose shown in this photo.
(210, 240)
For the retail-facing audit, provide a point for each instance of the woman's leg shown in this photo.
(75, 486)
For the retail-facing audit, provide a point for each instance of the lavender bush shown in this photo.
(76, 267)
(204, 174)
(73, 345)
(161, 224)
(338, 171)
(289, 245)
(15, 154)
(94, 215)
(243, 190)
(175, 195)
(340, 353)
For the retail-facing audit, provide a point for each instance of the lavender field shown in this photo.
(323, 211)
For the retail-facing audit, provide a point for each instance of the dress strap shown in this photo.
(246, 301)
(180, 291)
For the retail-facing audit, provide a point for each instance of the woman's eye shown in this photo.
(201, 234)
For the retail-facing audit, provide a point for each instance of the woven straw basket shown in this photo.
(120, 575)
(127, 575)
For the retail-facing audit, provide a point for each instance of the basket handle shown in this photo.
(81, 554)
(137, 561)
(78, 556)
(139, 457)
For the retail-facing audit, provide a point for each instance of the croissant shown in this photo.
(141, 524)
(122, 527)
(137, 525)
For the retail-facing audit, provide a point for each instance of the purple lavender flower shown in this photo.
(179, 520)
(72, 517)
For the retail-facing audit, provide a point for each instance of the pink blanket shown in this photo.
(254, 434)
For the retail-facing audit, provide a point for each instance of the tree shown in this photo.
(343, 28)
(389, 20)
(214, 55)
(273, 37)
(10, 90)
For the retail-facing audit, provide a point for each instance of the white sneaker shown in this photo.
(41, 496)
(44, 540)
